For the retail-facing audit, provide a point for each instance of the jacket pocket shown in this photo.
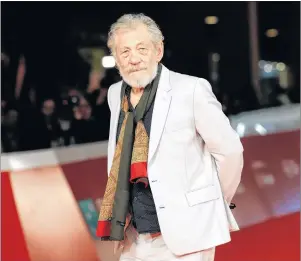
(202, 195)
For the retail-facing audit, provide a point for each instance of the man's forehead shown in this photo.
(49, 103)
(132, 36)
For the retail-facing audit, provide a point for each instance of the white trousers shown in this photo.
(145, 247)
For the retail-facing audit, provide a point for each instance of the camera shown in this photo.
(67, 106)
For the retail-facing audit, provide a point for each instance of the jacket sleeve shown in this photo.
(221, 140)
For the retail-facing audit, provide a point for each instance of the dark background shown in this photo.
(49, 33)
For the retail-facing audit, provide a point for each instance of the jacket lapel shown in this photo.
(113, 129)
(160, 112)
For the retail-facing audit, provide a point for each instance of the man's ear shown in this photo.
(159, 51)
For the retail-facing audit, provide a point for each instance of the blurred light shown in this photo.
(211, 20)
(240, 129)
(260, 129)
(274, 64)
(258, 164)
(108, 62)
(284, 79)
(290, 168)
(215, 57)
(271, 33)
(265, 179)
(284, 98)
(268, 68)
(214, 76)
(280, 67)
(261, 64)
(16, 163)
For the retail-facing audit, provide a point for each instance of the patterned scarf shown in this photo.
(129, 164)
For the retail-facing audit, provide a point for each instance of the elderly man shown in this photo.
(174, 162)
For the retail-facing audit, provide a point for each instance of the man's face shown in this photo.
(11, 118)
(48, 107)
(136, 56)
(85, 109)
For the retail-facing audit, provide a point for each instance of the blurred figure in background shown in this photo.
(3, 107)
(49, 124)
(29, 118)
(84, 127)
(40, 127)
(68, 101)
(9, 128)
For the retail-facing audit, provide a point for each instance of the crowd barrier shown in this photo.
(50, 201)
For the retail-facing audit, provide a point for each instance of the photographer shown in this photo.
(84, 127)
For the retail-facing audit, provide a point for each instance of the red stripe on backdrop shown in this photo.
(273, 162)
(274, 240)
(13, 244)
(87, 179)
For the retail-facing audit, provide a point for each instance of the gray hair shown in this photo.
(132, 21)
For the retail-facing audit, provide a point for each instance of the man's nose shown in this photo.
(134, 59)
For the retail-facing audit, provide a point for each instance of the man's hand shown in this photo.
(118, 245)
(77, 114)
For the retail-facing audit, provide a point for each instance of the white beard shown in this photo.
(141, 82)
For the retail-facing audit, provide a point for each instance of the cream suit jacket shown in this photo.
(194, 164)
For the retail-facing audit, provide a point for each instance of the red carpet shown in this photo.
(13, 244)
(274, 240)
